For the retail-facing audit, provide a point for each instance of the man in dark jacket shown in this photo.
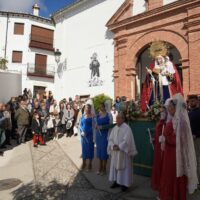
(194, 116)
(2, 128)
(22, 118)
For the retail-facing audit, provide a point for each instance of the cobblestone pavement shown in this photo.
(57, 178)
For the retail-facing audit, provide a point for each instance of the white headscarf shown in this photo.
(94, 122)
(185, 153)
(169, 117)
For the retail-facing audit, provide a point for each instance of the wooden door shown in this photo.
(40, 63)
(40, 91)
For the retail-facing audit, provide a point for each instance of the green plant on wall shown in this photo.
(3, 63)
(98, 100)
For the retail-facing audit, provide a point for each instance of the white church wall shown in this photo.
(168, 1)
(80, 33)
(139, 6)
(11, 85)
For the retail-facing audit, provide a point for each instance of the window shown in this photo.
(17, 57)
(41, 38)
(40, 63)
(19, 29)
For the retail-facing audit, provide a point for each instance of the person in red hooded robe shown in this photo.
(158, 154)
(179, 170)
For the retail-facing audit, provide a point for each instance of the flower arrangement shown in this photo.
(3, 63)
(155, 110)
(133, 110)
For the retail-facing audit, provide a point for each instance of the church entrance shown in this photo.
(144, 60)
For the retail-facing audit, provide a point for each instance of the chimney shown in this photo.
(36, 9)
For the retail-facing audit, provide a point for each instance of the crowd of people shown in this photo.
(176, 166)
(40, 118)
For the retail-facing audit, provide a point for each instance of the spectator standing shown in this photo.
(22, 117)
(194, 116)
(36, 130)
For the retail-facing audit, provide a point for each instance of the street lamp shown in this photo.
(57, 55)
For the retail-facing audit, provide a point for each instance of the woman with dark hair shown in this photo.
(117, 103)
(44, 116)
(179, 171)
(69, 119)
(102, 139)
(62, 116)
(86, 131)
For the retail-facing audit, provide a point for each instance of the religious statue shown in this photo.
(162, 80)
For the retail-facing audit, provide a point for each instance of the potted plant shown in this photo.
(3, 63)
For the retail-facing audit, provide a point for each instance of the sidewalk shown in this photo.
(52, 173)
(140, 189)
(16, 164)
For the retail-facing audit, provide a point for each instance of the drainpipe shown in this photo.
(6, 41)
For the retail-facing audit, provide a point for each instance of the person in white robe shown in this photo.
(121, 148)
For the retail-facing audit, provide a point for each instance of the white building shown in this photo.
(27, 42)
(81, 33)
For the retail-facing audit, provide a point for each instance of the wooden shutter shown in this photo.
(43, 35)
(19, 29)
(40, 63)
(17, 57)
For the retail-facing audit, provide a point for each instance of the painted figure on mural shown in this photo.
(95, 72)
(94, 66)
(162, 80)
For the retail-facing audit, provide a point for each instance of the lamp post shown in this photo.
(57, 55)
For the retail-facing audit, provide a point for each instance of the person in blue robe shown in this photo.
(87, 144)
(103, 119)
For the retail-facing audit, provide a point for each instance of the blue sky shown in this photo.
(47, 7)
(53, 5)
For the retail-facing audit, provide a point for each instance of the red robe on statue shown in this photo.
(174, 88)
(171, 187)
(157, 160)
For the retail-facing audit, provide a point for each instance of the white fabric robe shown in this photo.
(123, 137)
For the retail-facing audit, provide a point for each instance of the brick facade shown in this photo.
(177, 23)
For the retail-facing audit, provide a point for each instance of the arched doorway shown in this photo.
(144, 60)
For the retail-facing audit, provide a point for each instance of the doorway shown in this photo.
(40, 90)
(144, 60)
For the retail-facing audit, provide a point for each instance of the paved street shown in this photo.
(52, 172)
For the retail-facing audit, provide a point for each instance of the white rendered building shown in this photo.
(79, 32)
(27, 42)
(80, 36)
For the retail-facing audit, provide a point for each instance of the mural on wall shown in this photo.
(95, 79)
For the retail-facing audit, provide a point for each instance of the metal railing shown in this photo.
(41, 70)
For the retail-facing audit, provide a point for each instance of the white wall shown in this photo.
(21, 43)
(168, 1)
(138, 7)
(80, 33)
(3, 22)
(11, 85)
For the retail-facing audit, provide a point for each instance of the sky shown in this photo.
(47, 7)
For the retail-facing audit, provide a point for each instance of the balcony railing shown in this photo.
(41, 42)
(45, 71)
